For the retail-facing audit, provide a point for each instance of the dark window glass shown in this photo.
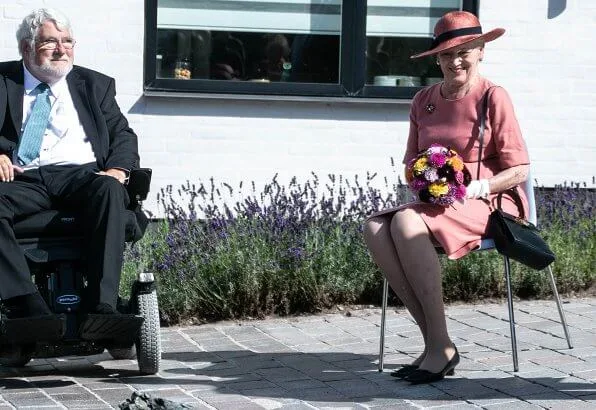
(328, 48)
(388, 62)
(397, 29)
(247, 56)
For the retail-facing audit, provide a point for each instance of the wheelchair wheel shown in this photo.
(148, 344)
(14, 356)
(123, 353)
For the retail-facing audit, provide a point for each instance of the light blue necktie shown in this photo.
(36, 125)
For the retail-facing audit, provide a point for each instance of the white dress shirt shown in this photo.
(64, 141)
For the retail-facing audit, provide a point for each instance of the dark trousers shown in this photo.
(100, 200)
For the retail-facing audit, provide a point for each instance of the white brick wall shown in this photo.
(549, 69)
(547, 66)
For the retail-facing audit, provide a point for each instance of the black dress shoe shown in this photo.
(420, 376)
(404, 371)
(31, 305)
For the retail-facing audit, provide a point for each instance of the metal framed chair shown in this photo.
(488, 244)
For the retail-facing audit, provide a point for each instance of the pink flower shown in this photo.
(460, 191)
(437, 160)
(436, 149)
(459, 177)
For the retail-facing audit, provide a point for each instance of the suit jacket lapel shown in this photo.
(15, 89)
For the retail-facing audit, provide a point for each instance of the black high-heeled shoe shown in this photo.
(404, 371)
(420, 376)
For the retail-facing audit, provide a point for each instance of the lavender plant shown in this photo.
(224, 253)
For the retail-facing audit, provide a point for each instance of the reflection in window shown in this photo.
(397, 29)
(258, 40)
(388, 62)
(264, 57)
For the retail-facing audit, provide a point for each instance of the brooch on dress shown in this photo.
(430, 108)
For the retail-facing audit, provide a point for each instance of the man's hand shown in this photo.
(115, 173)
(7, 169)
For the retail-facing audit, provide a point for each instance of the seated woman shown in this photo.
(402, 240)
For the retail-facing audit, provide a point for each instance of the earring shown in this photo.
(438, 62)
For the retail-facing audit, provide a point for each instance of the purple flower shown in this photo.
(444, 200)
(418, 184)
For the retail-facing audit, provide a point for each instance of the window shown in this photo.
(326, 48)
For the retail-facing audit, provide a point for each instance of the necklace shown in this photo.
(459, 93)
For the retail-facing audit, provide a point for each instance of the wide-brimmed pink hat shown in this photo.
(456, 28)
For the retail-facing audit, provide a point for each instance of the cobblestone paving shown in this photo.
(330, 361)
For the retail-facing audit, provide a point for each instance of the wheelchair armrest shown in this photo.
(138, 184)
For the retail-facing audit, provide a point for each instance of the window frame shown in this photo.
(352, 73)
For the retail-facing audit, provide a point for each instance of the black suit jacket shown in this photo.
(94, 96)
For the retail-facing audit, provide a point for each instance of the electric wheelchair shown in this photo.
(51, 241)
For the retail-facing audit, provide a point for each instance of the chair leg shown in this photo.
(553, 285)
(511, 315)
(383, 312)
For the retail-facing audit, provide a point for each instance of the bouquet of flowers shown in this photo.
(438, 175)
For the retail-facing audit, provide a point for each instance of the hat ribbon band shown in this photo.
(448, 35)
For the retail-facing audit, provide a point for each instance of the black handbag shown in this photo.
(517, 238)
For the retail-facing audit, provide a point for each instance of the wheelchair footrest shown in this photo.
(32, 329)
(117, 327)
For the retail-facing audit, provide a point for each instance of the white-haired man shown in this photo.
(63, 142)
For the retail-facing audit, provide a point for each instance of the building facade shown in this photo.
(545, 61)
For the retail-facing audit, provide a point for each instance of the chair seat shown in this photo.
(485, 245)
(66, 224)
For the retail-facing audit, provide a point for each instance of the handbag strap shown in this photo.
(481, 127)
(512, 192)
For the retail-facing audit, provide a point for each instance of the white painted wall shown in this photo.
(547, 65)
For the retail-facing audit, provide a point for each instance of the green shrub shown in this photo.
(299, 248)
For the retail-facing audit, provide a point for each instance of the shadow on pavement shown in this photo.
(326, 377)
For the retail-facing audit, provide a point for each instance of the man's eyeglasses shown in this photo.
(52, 44)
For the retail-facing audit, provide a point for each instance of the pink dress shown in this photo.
(454, 123)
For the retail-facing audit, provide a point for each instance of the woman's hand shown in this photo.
(7, 169)
(477, 189)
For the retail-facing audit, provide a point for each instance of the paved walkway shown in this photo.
(329, 361)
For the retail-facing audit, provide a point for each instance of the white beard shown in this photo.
(46, 71)
(53, 73)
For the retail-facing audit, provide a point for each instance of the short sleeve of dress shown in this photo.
(412, 143)
(506, 132)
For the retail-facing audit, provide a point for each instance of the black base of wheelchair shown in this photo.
(118, 329)
(51, 242)
(33, 329)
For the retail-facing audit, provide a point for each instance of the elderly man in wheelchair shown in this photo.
(70, 197)
(66, 322)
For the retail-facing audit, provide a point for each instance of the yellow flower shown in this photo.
(438, 188)
(456, 163)
(420, 165)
